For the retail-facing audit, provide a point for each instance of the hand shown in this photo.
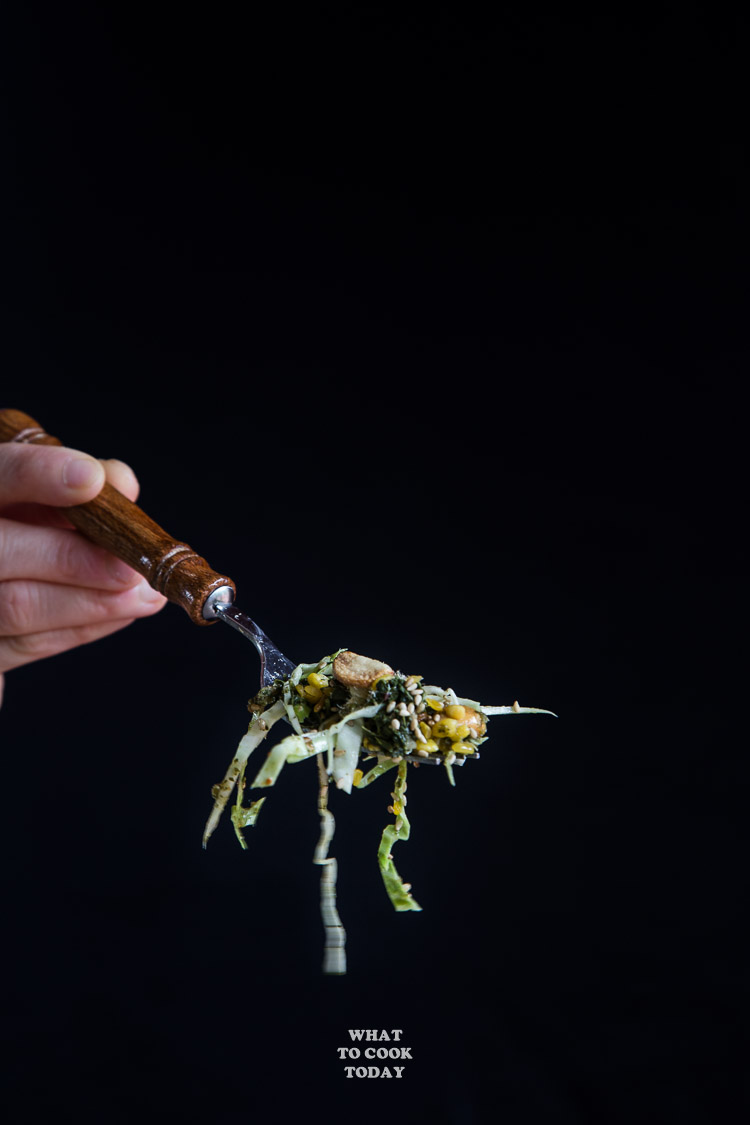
(57, 590)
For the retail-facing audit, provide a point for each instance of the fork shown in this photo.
(173, 568)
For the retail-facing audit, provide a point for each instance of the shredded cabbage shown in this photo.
(398, 891)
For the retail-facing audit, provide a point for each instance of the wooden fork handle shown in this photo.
(111, 520)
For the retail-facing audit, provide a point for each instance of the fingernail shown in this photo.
(82, 472)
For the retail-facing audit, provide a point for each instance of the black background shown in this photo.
(430, 330)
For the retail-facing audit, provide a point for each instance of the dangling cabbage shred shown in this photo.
(346, 710)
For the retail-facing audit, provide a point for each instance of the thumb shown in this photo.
(44, 474)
